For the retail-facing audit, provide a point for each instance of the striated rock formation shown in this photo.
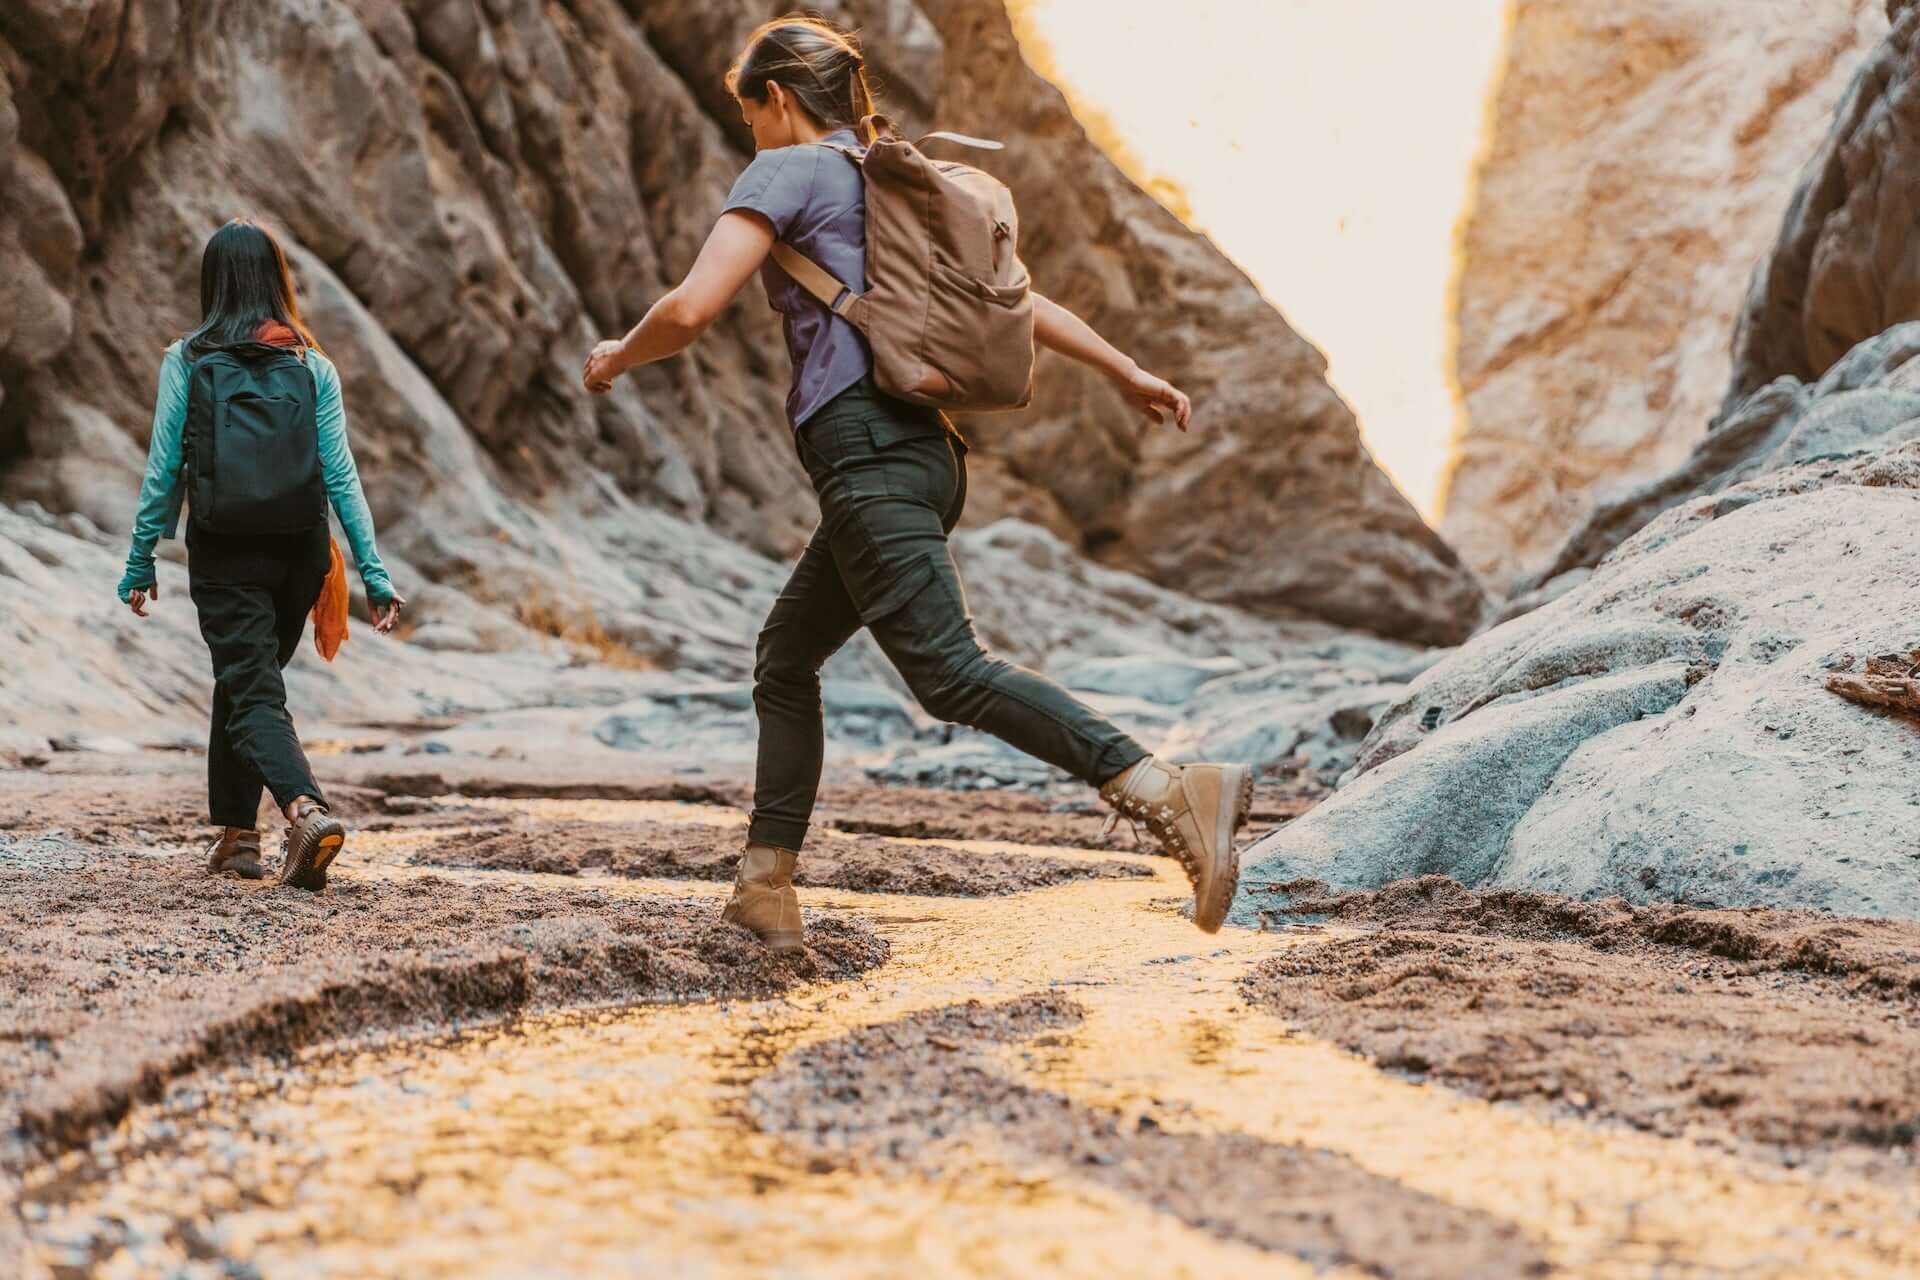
(1640, 158)
(1664, 729)
(1869, 400)
(474, 192)
(1847, 265)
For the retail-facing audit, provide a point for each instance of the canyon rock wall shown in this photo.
(1640, 158)
(473, 192)
(1667, 725)
(1847, 262)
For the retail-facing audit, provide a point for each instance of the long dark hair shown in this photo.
(815, 61)
(244, 283)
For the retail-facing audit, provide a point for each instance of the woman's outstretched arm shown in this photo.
(1058, 328)
(738, 244)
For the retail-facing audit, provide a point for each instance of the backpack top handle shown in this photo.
(877, 127)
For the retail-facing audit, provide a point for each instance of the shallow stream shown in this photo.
(644, 1142)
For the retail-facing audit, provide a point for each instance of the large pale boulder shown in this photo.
(1663, 731)
(1640, 157)
(491, 186)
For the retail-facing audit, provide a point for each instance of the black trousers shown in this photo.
(253, 596)
(892, 482)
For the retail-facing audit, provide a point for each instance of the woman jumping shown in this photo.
(252, 408)
(891, 479)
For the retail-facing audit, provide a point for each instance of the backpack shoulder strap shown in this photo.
(814, 278)
(834, 294)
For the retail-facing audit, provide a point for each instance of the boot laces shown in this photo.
(1159, 820)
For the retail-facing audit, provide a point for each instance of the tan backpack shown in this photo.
(948, 308)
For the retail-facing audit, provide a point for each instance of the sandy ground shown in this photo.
(125, 967)
(678, 851)
(920, 1094)
(123, 964)
(122, 970)
(1792, 1031)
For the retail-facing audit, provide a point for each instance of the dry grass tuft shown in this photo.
(580, 629)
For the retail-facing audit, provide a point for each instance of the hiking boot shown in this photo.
(763, 901)
(237, 850)
(311, 844)
(1194, 811)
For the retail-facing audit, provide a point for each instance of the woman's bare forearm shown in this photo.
(1058, 329)
(734, 250)
(667, 329)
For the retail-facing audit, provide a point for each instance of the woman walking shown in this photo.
(891, 479)
(248, 425)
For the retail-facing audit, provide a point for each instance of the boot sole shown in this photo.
(778, 941)
(309, 856)
(246, 869)
(1236, 787)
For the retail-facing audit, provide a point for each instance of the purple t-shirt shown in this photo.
(817, 202)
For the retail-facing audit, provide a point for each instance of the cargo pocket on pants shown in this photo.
(913, 578)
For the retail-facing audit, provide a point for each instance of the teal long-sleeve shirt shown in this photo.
(336, 467)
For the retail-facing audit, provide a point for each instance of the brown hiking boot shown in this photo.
(237, 850)
(1194, 811)
(311, 844)
(763, 901)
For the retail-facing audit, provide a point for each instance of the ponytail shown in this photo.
(820, 65)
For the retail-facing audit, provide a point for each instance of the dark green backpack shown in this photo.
(250, 459)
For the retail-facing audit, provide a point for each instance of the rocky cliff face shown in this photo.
(1640, 160)
(1847, 262)
(474, 192)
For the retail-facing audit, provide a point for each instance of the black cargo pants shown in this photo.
(253, 595)
(892, 482)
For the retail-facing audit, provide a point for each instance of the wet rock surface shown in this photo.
(1639, 160)
(677, 851)
(1794, 1031)
(908, 1096)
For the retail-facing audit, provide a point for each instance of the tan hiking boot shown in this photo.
(311, 844)
(763, 901)
(1194, 811)
(237, 850)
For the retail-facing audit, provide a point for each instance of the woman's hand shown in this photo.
(604, 364)
(1156, 397)
(137, 600)
(386, 616)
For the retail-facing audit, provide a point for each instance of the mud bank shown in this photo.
(921, 1094)
(123, 970)
(679, 851)
(1795, 1032)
